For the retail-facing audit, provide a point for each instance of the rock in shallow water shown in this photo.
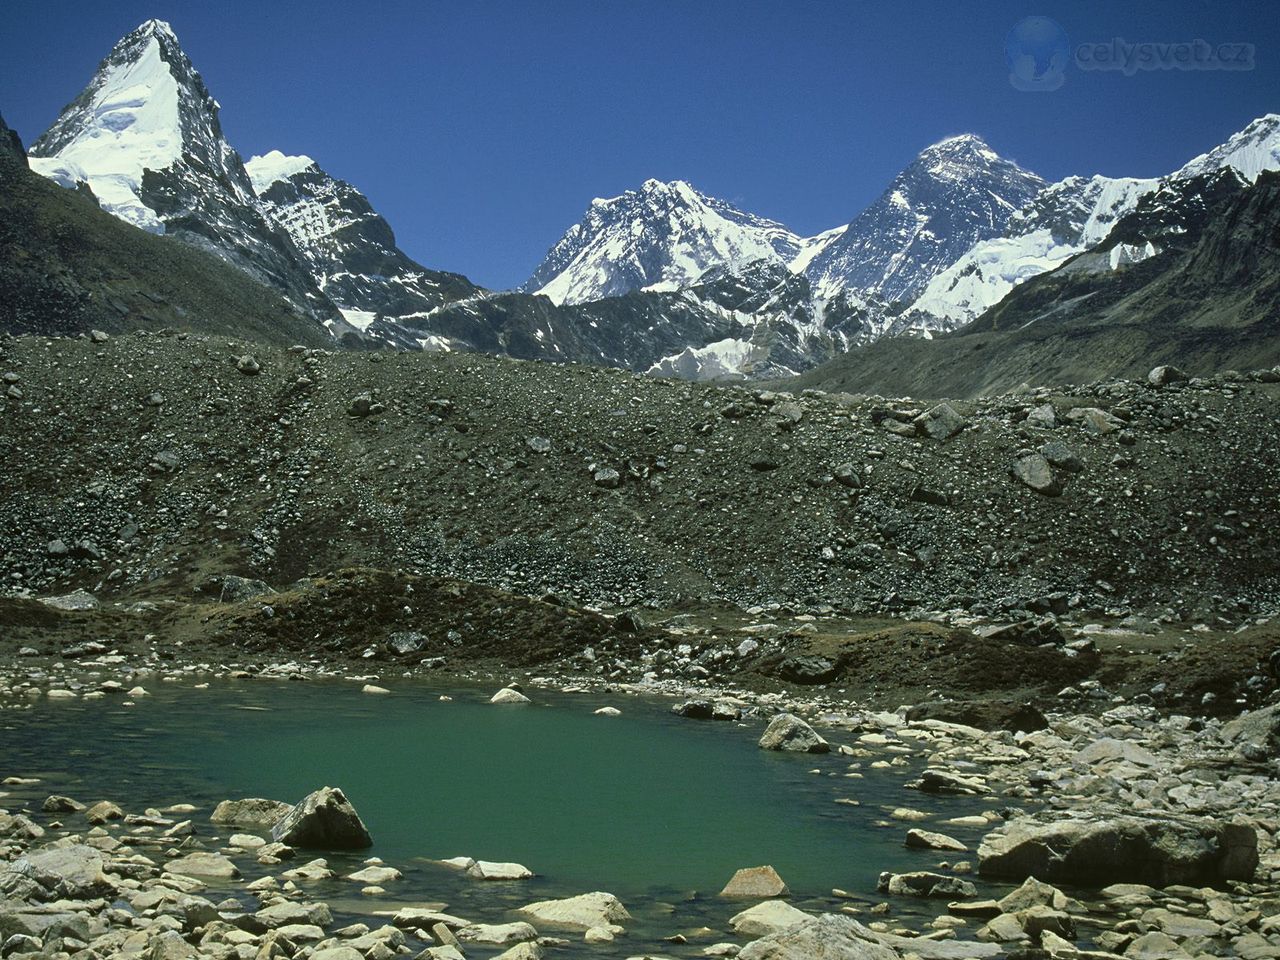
(760, 882)
(924, 884)
(787, 732)
(203, 865)
(497, 933)
(324, 820)
(579, 913)
(928, 840)
(489, 870)
(253, 810)
(766, 918)
(507, 695)
(73, 872)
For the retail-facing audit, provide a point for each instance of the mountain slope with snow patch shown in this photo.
(144, 136)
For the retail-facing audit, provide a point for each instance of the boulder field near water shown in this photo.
(872, 505)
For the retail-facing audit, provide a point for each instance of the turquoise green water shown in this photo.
(644, 803)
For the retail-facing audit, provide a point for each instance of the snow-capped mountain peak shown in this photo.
(952, 156)
(144, 135)
(1251, 151)
(157, 28)
(1071, 216)
(349, 249)
(273, 166)
(954, 193)
(662, 236)
(129, 119)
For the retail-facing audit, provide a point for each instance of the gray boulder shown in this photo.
(1261, 727)
(1162, 376)
(1095, 851)
(786, 732)
(847, 475)
(608, 478)
(250, 811)
(1061, 456)
(73, 872)
(1042, 417)
(1033, 470)
(324, 820)
(808, 670)
(940, 422)
(1095, 420)
(41, 923)
(404, 642)
(829, 936)
(925, 884)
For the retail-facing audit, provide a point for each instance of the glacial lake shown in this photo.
(646, 805)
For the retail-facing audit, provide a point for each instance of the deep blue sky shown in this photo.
(482, 128)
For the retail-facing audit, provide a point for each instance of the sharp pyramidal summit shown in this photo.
(403, 553)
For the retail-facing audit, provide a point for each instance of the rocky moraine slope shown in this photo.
(147, 463)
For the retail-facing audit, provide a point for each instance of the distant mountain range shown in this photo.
(662, 279)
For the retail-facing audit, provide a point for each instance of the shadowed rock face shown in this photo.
(350, 248)
(1159, 852)
(12, 154)
(324, 820)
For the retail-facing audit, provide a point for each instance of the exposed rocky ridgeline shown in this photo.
(349, 248)
(757, 321)
(1075, 215)
(68, 267)
(130, 458)
(1188, 278)
(145, 138)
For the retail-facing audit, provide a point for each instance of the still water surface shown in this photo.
(641, 804)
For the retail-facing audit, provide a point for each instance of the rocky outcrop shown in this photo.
(1156, 851)
(12, 153)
